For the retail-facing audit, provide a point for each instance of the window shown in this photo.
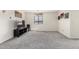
(38, 19)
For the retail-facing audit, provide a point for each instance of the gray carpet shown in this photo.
(41, 40)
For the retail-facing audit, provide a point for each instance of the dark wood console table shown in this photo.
(19, 31)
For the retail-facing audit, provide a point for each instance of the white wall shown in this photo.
(64, 25)
(50, 22)
(7, 25)
(68, 27)
(75, 23)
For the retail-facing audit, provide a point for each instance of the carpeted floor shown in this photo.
(41, 40)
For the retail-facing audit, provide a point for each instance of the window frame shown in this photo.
(38, 21)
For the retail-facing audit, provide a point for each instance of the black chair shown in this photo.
(28, 27)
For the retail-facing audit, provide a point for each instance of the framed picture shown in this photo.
(62, 15)
(18, 14)
(67, 15)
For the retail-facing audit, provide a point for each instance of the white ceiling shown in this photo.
(40, 10)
